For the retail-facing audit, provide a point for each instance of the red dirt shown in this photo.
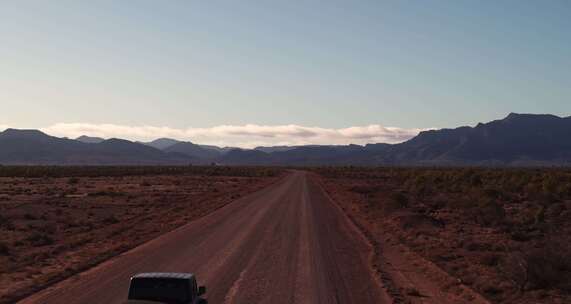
(442, 245)
(347, 235)
(287, 243)
(51, 228)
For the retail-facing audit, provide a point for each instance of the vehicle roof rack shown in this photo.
(163, 275)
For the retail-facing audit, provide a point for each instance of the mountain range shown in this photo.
(32, 147)
(518, 139)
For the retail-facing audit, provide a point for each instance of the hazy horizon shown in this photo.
(246, 136)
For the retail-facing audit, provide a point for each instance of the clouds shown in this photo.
(246, 136)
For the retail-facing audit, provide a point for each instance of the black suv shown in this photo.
(165, 287)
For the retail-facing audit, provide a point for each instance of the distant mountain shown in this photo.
(320, 155)
(246, 157)
(525, 139)
(32, 147)
(222, 150)
(206, 152)
(90, 140)
(302, 155)
(193, 150)
(272, 149)
(516, 140)
(161, 143)
(382, 147)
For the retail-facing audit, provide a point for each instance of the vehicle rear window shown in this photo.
(157, 289)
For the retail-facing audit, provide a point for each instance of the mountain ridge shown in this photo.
(517, 139)
(90, 139)
(33, 147)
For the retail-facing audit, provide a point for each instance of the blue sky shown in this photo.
(188, 65)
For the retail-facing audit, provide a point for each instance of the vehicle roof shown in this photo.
(164, 275)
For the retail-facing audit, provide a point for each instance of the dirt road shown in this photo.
(287, 243)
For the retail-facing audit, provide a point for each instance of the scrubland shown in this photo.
(57, 221)
(505, 233)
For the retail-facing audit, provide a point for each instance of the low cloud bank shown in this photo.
(245, 136)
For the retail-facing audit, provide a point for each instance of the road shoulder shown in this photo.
(407, 277)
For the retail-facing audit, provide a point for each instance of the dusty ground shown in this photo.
(287, 243)
(451, 235)
(54, 226)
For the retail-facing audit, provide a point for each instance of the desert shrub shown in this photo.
(490, 259)
(40, 239)
(30, 216)
(539, 268)
(396, 201)
(437, 204)
(493, 193)
(419, 180)
(539, 216)
(110, 220)
(489, 212)
(476, 180)
(520, 236)
(564, 189)
(399, 199)
(550, 184)
(472, 245)
(556, 210)
(533, 217)
(421, 191)
(411, 291)
(363, 189)
(6, 222)
(532, 189)
(4, 249)
(73, 181)
(71, 190)
(50, 228)
(71, 223)
(526, 216)
(491, 290)
(108, 193)
(423, 224)
(543, 268)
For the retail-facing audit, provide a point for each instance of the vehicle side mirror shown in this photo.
(201, 290)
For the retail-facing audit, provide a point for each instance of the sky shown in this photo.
(248, 73)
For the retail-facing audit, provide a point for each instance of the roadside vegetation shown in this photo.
(109, 171)
(505, 233)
